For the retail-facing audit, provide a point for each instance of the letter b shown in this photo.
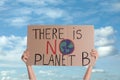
(85, 59)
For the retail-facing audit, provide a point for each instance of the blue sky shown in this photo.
(16, 15)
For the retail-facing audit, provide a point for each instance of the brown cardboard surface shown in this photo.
(60, 45)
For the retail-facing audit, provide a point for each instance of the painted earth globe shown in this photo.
(66, 46)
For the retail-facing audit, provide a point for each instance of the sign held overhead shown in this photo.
(60, 45)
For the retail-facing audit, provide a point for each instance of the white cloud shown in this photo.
(98, 71)
(22, 11)
(21, 16)
(116, 6)
(106, 50)
(41, 2)
(5, 73)
(32, 2)
(105, 41)
(12, 75)
(105, 31)
(2, 2)
(48, 72)
(52, 13)
(18, 21)
(110, 6)
(11, 49)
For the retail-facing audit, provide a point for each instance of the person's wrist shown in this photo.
(28, 65)
(90, 65)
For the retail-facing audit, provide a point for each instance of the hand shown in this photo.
(94, 55)
(25, 56)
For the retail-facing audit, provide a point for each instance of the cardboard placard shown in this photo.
(58, 45)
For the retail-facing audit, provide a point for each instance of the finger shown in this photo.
(24, 52)
(93, 55)
(27, 53)
(24, 56)
(25, 59)
(93, 50)
(97, 55)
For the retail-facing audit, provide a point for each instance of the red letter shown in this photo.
(53, 50)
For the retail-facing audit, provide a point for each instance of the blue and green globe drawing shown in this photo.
(66, 46)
